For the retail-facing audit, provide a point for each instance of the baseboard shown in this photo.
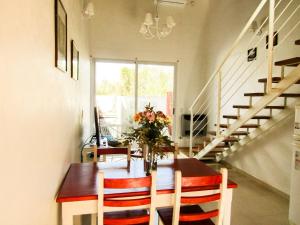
(291, 223)
(282, 194)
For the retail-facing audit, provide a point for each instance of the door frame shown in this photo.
(136, 62)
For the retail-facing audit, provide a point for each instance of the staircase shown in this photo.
(248, 121)
(218, 147)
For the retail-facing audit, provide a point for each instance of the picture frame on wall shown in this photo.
(60, 36)
(275, 40)
(252, 54)
(74, 61)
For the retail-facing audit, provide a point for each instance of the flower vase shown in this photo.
(150, 160)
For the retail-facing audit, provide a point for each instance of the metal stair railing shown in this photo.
(217, 87)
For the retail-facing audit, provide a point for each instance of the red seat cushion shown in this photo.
(126, 214)
(167, 213)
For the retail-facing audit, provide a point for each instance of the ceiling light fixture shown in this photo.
(89, 10)
(150, 29)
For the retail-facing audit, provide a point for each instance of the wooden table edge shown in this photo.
(231, 185)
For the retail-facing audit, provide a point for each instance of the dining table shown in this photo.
(78, 191)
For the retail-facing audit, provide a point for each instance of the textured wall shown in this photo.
(41, 109)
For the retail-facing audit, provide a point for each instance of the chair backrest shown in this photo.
(217, 183)
(112, 151)
(174, 149)
(138, 202)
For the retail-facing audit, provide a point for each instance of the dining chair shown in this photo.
(104, 151)
(166, 149)
(186, 208)
(134, 210)
(173, 149)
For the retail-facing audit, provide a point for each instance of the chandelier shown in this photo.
(150, 28)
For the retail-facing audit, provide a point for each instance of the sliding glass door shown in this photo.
(123, 88)
(156, 86)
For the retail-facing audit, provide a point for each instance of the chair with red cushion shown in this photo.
(186, 210)
(134, 210)
(173, 149)
(166, 149)
(103, 151)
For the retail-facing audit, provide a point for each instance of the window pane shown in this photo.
(115, 96)
(155, 86)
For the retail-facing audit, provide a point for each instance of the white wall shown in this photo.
(40, 112)
(115, 35)
(267, 158)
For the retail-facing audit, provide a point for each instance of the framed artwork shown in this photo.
(74, 61)
(252, 54)
(60, 36)
(275, 39)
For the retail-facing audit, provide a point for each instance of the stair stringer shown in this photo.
(276, 91)
(285, 114)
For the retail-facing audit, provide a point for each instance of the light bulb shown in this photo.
(89, 10)
(148, 19)
(170, 22)
(143, 29)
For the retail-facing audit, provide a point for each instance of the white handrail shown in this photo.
(279, 44)
(203, 106)
(235, 44)
(270, 45)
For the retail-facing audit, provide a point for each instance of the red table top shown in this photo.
(80, 182)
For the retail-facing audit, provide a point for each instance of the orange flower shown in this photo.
(137, 117)
(167, 120)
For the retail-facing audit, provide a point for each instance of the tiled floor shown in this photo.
(253, 203)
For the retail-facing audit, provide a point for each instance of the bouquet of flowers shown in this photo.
(150, 131)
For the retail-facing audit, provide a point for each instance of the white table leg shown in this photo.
(67, 219)
(227, 213)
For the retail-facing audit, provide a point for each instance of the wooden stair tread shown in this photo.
(288, 62)
(274, 80)
(290, 95)
(259, 94)
(243, 126)
(297, 42)
(275, 107)
(221, 145)
(231, 117)
(255, 94)
(267, 107)
(231, 139)
(236, 133)
(235, 117)
(241, 106)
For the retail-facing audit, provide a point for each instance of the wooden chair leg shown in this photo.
(176, 153)
(95, 153)
(94, 219)
(160, 222)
